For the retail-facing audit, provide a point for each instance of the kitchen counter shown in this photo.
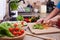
(30, 37)
(56, 36)
(29, 14)
(53, 35)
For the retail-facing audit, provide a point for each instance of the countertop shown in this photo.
(29, 37)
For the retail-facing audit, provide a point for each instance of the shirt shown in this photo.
(58, 5)
(2, 9)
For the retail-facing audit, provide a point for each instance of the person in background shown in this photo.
(2, 9)
(52, 18)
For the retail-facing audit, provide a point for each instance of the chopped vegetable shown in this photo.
(38, 26)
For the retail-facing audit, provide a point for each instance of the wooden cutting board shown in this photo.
(44, 31)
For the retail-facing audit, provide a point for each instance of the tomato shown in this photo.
(19, 33)
(14, 32)
(16, 29)
(22, 31)
(10, 29)
(15, 24)
(26, 19)
(22, 23)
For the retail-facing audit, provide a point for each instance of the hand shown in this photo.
(52, 21)
(40, 20)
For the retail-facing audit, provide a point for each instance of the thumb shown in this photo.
(46, 21)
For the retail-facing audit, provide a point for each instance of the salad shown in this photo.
(11, 29)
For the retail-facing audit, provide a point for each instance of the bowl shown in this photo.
(21, 37)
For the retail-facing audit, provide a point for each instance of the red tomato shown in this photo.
(16, 29)
(22, 23)
(15, 24)
(10, 29)
(14, 32)
(26, 19)
(19, 33)
(22, 31)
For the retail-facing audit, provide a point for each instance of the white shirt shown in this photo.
(2, 9)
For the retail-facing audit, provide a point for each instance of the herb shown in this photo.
(13, 5)
(20, 18)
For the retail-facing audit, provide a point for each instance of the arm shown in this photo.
(53, 13)
(53, 20)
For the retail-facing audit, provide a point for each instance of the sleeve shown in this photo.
(58, 5)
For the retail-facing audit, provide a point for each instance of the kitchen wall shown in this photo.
(56, 1)
(3, 5)
(2, 8)
(31, 1)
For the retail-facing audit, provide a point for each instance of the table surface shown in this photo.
(53, 35)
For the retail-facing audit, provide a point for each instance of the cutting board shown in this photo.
(44, 31)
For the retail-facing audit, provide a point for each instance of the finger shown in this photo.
(39, 21)
(51, 23)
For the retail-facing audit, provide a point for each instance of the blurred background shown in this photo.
(30, 9)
